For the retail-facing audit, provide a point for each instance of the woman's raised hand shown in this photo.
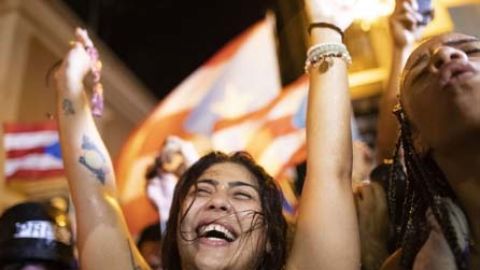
(337, 12)
(76, 64)
(405, 23)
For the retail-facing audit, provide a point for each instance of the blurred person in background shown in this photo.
(175, 157)
(378, 233)
(35, 236)
(149, 244)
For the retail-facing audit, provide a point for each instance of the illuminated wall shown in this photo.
(34, 36)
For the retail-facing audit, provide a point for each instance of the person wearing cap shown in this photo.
(149, 244)
(35, 236)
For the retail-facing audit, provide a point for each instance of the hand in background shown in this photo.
(177, 155)
(404, 23)
(405, 30)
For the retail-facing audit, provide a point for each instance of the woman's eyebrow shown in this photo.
(230, 184)
(208, 181)
(241, 183)
(460, 41)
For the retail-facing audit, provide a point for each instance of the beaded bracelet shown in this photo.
(320, 56)
(97, 95)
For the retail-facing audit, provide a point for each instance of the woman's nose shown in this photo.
(219, 201)
(444, 55)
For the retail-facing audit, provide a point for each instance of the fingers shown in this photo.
(76, 56)
(172, 144)
(400, 4)
(414, 4)
(185, 148)
(81, 36)
(81, 42)
(408, 21)
(407, 12)
(76, 64)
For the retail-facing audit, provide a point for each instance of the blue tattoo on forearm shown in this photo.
(67, 106)
(93, 159)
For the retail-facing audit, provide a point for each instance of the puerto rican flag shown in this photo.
(32, 151)
(241, 78)
(275, 136)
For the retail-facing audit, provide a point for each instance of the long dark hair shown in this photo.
(416, 185)
(274, 223)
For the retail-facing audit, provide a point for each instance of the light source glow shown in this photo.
(369, 11)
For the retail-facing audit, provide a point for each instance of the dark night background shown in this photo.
(163, 41)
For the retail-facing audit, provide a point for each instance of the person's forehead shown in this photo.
(229, 172)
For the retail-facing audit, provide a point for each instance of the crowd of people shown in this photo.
(418, 209)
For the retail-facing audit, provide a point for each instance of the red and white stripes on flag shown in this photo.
(32, 151)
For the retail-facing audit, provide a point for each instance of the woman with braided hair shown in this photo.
(439, 115)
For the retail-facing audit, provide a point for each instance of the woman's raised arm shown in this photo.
(327, 233)
(405, 30)
(103, 238)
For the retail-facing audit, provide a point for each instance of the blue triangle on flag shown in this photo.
(54, 150)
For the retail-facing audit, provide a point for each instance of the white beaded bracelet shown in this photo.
(321, 54)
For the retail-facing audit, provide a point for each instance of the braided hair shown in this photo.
(415, 185)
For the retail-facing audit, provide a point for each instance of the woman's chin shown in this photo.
(212, 261)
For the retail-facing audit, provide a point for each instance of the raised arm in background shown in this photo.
(404, 31)
(327, 232)
(175, 157)
(103, 238)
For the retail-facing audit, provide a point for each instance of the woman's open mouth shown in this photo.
(216, 234)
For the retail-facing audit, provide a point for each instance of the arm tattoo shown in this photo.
(68, 107)
(93, 159)
(134, 265)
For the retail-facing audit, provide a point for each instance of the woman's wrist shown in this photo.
(401, 54)
(323, 35)
(68, 82)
